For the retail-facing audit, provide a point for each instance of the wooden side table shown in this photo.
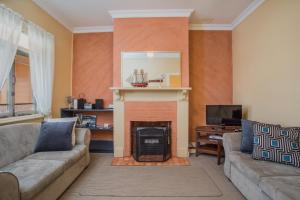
(209, 140)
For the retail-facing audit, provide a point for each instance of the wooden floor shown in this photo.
(129, 161)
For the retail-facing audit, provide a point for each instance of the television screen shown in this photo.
(227, 115)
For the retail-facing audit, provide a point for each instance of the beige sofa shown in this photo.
(259, 180)
(44, 175)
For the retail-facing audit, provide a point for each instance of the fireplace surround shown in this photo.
(151, 141)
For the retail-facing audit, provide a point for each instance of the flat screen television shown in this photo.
(224, 115)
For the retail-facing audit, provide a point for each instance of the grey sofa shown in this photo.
(43, 175)
(259, 180)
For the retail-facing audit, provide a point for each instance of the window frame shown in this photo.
(11, 81)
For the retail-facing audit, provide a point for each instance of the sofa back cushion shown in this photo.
(17, 141)
(247, 136)
(276, 144)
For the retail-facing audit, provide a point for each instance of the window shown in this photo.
(16, 96)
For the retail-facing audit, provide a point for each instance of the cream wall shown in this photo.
(63, 48)
(266, 63)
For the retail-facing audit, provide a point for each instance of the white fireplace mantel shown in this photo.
(124, 95)
(119, 91)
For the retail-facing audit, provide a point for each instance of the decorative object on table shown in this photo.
(69, 100)
(88, 105)
(99, 104)
(105, 126)
(276, 144)
(75, 103)
(55, 136)
(66, 119)
(79, 118)
(158, 82)
(138, 78)
(174, 80)
(81, 101)
(89, 121)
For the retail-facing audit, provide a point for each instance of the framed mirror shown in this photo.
(151, 69)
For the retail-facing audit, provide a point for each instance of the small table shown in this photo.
(209, 140)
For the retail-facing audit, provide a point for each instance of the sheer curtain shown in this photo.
(41, 58)
(10, 31)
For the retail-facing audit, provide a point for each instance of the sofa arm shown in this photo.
(83, 136)
(9, 186)
(231, 142)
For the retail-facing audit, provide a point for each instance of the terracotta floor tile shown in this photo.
(129, 161)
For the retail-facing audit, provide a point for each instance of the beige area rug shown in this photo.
(103, 180)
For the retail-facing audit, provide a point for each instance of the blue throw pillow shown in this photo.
(55, 136)
(247, 136)
(276, 144)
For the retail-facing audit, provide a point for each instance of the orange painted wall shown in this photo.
(210, 68)
(92, 68)
(151, 34)
(210, 73)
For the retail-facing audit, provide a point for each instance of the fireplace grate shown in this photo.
(151, 143)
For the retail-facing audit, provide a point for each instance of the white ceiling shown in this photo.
(91, 13)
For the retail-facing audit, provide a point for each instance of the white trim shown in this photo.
(10, 120)
(248, 11)
(99, 29)
(93, 29)
(151, 13)
(217, 27)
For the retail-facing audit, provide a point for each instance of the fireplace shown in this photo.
(151, 141)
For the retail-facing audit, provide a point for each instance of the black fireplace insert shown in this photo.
(151, 141)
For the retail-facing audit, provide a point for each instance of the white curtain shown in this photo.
(10, 31)
(41, 57)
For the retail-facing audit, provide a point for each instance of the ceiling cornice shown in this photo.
(93, 29)
(171, 13)
(248, 11)
(151, 13)
(217, 27)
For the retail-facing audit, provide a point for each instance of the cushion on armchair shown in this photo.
(273, 143)
(55, 136)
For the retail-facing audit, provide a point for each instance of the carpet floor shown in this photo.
(204, 179)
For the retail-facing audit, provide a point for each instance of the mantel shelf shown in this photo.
(150, 88)
(119, 91)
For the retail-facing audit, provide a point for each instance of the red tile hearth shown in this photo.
(129, 161)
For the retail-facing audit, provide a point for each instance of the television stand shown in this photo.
(209, 139)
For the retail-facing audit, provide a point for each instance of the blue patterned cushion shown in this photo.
(273, 143)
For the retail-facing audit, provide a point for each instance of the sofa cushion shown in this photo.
(68, 157)
(66, 119)
(55, 136)
(17, 141)
(34, 175)
(282, 187)
(256, 169)
(247, 136)
(276, 144)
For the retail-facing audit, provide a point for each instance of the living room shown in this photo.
(149, 99)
